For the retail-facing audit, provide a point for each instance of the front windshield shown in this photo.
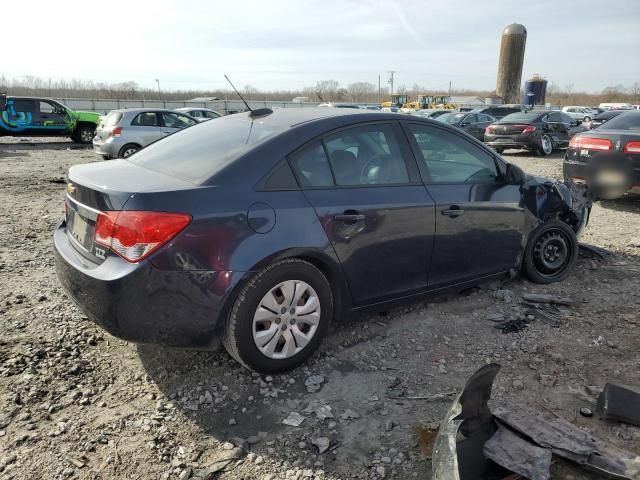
(451, 118)
(625, 121)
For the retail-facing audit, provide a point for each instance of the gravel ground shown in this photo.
(76, 402)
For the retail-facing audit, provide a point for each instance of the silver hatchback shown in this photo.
(123, 132)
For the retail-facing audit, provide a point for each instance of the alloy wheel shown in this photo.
(86, 135)
(286, 319)
(129, 151)
(547, 146)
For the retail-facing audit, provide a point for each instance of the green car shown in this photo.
(43, 117)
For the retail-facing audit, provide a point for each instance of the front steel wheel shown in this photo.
(551, 252)
(280, 317)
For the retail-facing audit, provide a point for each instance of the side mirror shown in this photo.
(3, 102)
(515, 175)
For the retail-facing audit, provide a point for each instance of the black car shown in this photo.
(497, 111)
(472, 123)
(607, 158)
(540, 132)
(601, 118)
(274, 224)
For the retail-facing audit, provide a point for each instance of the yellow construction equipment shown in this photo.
(397, 100)
(421, 102)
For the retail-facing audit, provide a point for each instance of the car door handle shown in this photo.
(453, 212)
(349, 217)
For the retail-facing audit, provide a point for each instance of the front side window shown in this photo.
(448, 158)
(196, 113)
(367, 155)
(46, 107)
(209, 114)
(146, 119)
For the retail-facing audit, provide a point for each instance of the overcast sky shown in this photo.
(290, 44)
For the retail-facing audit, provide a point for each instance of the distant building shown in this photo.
(203, 99)
(301, 99)
(467, 100)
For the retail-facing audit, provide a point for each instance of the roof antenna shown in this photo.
(245, 102)
(254, 113)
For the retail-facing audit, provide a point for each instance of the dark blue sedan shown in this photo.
(264, 227)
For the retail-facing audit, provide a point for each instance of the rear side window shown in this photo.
(205, 149)
(21, 105)
(175, 120)
(209, 114)
(366, 155)
(146, 119)
(112, 119)
(448, 158)
(195, 113)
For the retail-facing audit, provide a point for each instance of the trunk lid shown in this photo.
(509, 128)
(103, 186)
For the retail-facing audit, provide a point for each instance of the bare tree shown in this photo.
(326, 90)
(361, 91)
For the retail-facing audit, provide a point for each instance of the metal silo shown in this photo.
(514, 38)
(535, 91)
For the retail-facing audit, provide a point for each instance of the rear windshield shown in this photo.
(625, 121)
(112, 119)
(520, 117)
(197, 153)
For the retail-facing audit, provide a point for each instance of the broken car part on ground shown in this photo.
(475, 443)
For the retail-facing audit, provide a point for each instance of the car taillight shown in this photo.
(590, 143)
(116, 132)
(134, 235)
(632, 147)
(529, 129)
(490, 129)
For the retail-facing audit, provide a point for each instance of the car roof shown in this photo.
(141, 110)
(186, 109)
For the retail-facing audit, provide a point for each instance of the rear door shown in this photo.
(470, 125)
(366, 191)
(559, 126)
(173, 122)
(145, 128)
(18, 118)
(479, 220)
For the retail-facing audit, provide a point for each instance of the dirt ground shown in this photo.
(76, 402)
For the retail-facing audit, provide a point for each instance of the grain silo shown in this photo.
(514, 38)
(535, 91)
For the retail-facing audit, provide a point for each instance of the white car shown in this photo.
(200, 114)
(582, 114)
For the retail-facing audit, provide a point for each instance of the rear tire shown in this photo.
(546, 145)
(262, 306)
(551, 252)
(83, 134)
(128, 149)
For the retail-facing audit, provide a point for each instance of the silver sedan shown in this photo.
(200, 114)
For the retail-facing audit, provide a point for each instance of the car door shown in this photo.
(479, 220)
(173, 122)
(50, 118)
(145, 128)
(470, 125)
(376, 213)
(559, 126)
(483, 122)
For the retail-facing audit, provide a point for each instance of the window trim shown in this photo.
(413, 171)
(158, 120)
(424, 170)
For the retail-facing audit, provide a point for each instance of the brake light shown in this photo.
(529, 129)
(116, 132)
(589, 143)
(134, 235)
(632, 147)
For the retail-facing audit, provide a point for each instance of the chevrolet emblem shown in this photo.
(71, 188)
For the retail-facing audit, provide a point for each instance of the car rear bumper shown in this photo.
(141, 303)
(512, 141)
(576, 168)
(109, 147)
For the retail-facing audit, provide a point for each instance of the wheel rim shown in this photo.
(286, 319)
(129, 151)
(546, 144)
(551, 253)
(86, 135)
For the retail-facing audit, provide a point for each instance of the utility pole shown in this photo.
(378, 88)
(391, 73)
(449, 87)
(159, 92)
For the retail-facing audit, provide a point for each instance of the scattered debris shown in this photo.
(314, 383)
(349, 414)
(621, 403)
(321, 410)
(504, 295)
(294, 419)
(322, 443)
(586, 412)
(545, 298)
(425, 438)
(591, 251)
